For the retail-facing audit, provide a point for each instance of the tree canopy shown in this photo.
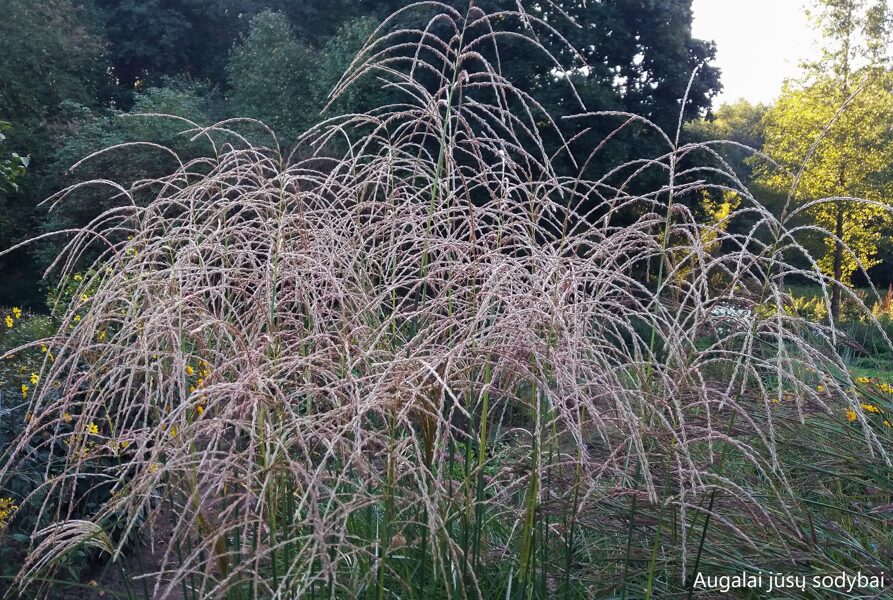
(831, 131)
(75, 66)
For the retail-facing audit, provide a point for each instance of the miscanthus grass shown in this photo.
(402, 361)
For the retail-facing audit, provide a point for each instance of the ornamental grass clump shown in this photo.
(403, 361)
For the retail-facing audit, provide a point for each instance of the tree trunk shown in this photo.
(838, 262)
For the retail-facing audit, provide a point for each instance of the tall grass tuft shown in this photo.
(406, 361)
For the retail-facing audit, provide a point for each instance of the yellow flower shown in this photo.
(174, 431)
(820, 388)
(17, 312)
(850, 415)
(34, 378)
(25, 389)
(189, 370)
(77, 277)
(101, 336)
(7, 508)
(191, 388)
(863, 380)
(93, 428)
(200, 410)
(77, 318)
(123, 444)
(9, 321)
(871, 408)
(84, 297)
(887, 423)
(66, 417)
(886, 388)
(43, 348)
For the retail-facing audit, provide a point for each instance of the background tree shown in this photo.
(268, 76)
(12, 167)
(639, 56)
(740, 122)
(96, 130)
(331, 63)
(70, 65)
(854, 152)
(52, 52)
(152, 39)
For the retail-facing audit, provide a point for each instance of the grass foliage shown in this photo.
(403, 362)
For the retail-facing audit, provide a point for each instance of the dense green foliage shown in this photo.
(838, 121)
(76, 66)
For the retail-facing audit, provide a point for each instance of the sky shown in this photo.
(759, 43)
